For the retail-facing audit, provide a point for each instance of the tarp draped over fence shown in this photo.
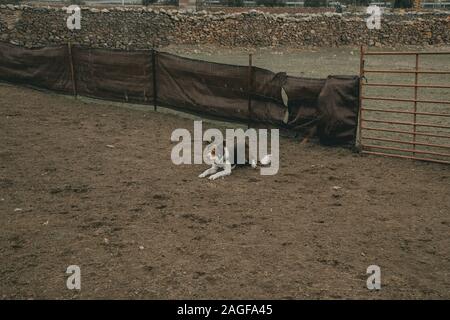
(323, 108)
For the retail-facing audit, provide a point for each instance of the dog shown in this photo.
(220, 158)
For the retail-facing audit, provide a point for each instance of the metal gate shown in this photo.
(415, 126)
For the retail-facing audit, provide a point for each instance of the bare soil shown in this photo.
(141, 227)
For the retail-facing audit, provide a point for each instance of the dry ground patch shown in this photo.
(141, 227)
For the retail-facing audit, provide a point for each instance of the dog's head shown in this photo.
(215, 152)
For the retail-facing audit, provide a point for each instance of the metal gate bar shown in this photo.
(408, 112)
(399, 152)
(406, 71)
(405, 100)
(425, 134)
(406, 85)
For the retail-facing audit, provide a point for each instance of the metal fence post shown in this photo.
(361, 76)
(155, 91)
(416, 78)
(249, 88)
(72, 71)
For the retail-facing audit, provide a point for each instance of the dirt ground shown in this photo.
(140, 227)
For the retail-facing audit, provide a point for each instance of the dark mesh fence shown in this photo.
(114, 75)
(323, 108)
(46, 68)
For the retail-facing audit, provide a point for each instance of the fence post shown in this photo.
(72, 71)
(155, 92)
(249, 89)
(416, 81)
(361, 76)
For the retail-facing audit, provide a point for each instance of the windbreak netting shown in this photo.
(323, 108)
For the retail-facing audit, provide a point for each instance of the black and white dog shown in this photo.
(220, 157)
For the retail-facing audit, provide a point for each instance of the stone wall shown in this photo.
(140, 27)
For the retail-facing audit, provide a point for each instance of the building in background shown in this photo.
(187, 4)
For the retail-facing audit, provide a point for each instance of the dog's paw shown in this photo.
(213, 177)
(202, 175)
(266, 160)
